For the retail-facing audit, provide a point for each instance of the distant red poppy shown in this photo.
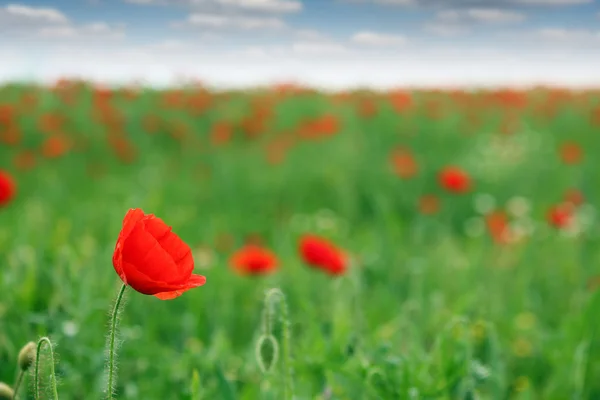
(404, 163)
(323, 126)
(221, 133)
(401, 101)
(574, 197)
(319, 252)
(253, 260)
(25, 160)
(454, 179)
(7, 188)
(571, 153)
(560, 216)
(152, 259)
(367, 108)
(11, 135)
(497, 225)
(55, 146)
(429, 204)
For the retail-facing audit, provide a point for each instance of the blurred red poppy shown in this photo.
(560, 216)
(319, 252)
(571, 153)
(221, 133)
(55, 146)
(454, 179)
(152, 259)
(24, 160)
(404, 163)
(253, 260)
(574, 197)
(7, 188)
(498, 226)
(429, 204)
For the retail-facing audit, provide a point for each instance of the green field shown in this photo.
(431, 307)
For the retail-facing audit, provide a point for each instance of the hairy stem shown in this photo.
(36, 380)
(18, 382)
(111, 344)
(272, 297)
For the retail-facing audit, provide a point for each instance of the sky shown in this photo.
(326, 44)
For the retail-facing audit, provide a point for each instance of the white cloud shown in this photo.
(444, 29)
(570, 35)
(265, 6)
(35, 23)
(459, 21)
(473, 3)
(218, 21)
(319, 48)
(553, 2)
(309, 34)
(20, 19)
(477, 15)
(273, 6)
(396, 2)
(98, 29)
(384, 2)
(42, 15)
(369, 38)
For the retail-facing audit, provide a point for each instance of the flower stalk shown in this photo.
(112, 334)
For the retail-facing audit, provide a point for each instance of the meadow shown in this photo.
(468, 220)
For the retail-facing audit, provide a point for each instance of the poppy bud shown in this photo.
(267, 352)
(6, 392)
(26, 356)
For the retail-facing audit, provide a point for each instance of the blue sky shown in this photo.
(335, 43)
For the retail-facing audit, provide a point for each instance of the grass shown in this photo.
(431, 306)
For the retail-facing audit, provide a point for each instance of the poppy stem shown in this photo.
(273, 297)
(111, 344)
(18, 382)
(36, 379)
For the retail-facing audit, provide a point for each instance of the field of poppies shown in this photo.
(356, 245)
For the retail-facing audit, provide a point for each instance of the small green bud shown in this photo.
(6, 392)
(26, 356)
(267, 352)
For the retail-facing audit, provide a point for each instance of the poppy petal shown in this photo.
(195, 281)
(141, 248)
(178, 250)
(132, 217)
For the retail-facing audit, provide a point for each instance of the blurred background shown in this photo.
(446, 148)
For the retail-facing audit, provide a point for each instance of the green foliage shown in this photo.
(430, 309)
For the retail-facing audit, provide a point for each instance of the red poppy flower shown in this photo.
(152, 259)
(319, 252)
(454, 179)
(560, 216)
(571, 153)
(253, 260)
(7, 188)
